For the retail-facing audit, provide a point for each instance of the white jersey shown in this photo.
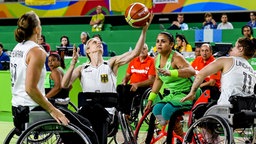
(18, 69)
(98, 79)
(239, 80)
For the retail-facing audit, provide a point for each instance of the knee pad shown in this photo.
(168, 111)
(157, 109)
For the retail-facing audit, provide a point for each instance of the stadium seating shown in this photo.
(118, 38)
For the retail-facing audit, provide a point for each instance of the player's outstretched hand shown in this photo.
(190, 96)
(75, 55)
(149, 22)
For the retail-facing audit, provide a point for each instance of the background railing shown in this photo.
(80, 8)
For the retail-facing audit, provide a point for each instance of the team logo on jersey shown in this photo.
(104, 78)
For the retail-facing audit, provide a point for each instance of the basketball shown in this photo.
(137, 15)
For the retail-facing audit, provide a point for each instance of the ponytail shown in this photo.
(62, 63)
(254, 42)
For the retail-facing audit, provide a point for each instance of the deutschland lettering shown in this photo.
(18, 54)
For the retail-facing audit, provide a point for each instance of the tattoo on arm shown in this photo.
(196, 84)
(180, 67)
(195, 89)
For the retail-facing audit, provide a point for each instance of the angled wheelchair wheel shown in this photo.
(127, 129)
(126, 136)
(11, 138)
(50, 132)
(142, 128)
(144, 99)
(210, 129)
(149, 130)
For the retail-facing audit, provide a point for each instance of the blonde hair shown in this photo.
(87, 47)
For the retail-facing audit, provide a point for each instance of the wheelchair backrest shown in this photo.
(203, 98)
(240, 103)
(105, 99)
(200, 106)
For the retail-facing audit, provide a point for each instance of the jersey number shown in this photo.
(13, 73)
(247, 83)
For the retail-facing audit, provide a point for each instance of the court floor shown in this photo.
(5, 124)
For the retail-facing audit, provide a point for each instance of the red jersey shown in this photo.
(140, 71)
(199, 64)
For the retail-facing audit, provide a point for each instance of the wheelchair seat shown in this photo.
(108, 118)
(104, 104)
(240, 113)
(244, 110)
(23, 117)
(106, 99)
(36, 126)
(240, 103)
(35, 116)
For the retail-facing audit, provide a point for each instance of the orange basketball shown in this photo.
(137, 15)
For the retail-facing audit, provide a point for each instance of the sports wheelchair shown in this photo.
(136, 104)
(41, 128)
(149, 130)
(37, 126)
(106, 109)
(226, 124)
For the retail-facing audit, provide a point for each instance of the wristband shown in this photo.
(152, 96)
(174, 73)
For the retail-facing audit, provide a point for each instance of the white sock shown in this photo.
(161, 120)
